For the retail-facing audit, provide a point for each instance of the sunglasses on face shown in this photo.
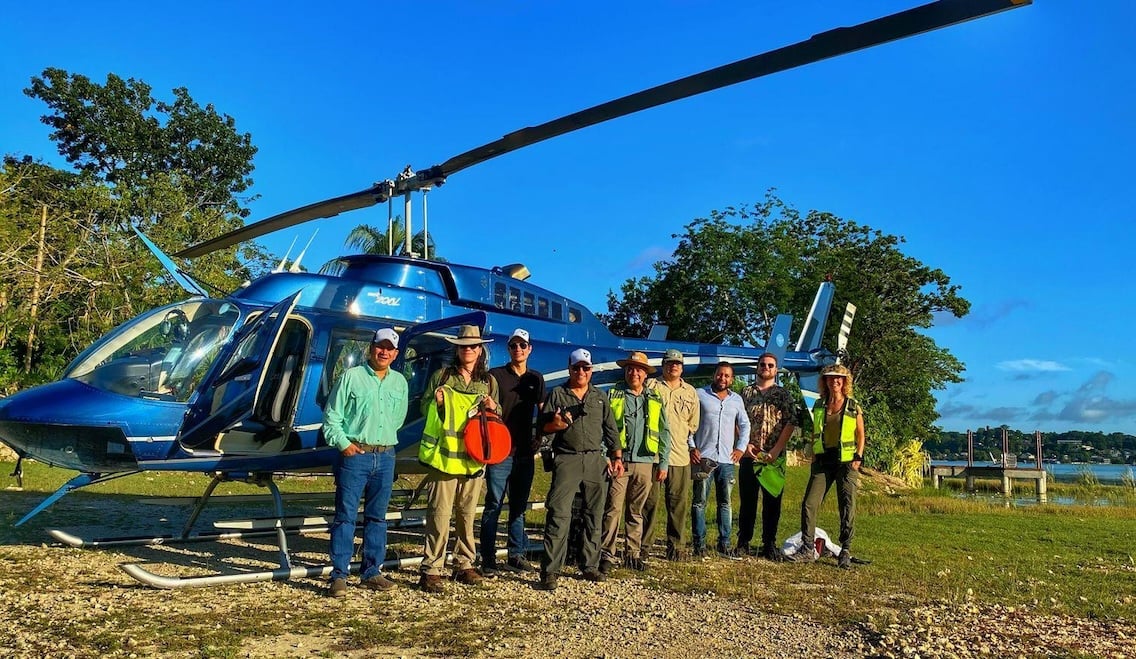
(768, 365)
(581, 367)
(468, 347)
(519, 345)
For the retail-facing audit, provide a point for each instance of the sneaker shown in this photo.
(743, 550)
(378, 582)
(845, 560)
(636, 564)
(431, 583)
(337, 588)
(699, 552)
(805, 554)
(547, 582)
(606, 567)
(489, 570)
(519, 563)
(594, 576)
(674, 554)
(468, 576)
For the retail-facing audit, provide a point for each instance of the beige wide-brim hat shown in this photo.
(636, 359)
(837, 370)
(469, 335)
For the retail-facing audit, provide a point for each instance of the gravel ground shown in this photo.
(64, 602)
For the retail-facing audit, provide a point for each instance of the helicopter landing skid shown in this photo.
(281, 574)
(77, 542)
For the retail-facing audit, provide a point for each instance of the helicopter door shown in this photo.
(423, 349)
(234, 390)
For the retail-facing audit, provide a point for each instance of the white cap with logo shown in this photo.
(519, 334)
(385, 334)
(580, 355)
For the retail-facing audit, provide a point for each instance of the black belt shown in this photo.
(372, 448)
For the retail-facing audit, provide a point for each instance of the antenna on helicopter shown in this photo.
(425, 225)
(390, 227)
(403, 177)
(280, 268)
(296, 264)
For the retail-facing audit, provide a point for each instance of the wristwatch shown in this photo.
(856, 457)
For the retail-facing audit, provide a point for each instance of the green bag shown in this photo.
(772, 475)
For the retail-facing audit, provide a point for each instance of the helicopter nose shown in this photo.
(37, 423)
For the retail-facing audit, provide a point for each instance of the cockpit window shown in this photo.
(161, 354)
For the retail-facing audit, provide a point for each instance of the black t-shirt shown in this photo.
(520, 395)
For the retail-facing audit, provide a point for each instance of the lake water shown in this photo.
(1064, 473)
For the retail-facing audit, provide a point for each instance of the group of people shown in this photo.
(613, 451)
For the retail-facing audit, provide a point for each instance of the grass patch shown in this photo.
(927, 547)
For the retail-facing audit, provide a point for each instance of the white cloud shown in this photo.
(1025, 365)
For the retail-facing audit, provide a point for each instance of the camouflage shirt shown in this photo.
(769, 412)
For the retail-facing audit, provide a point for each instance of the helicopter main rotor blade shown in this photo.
(833, 43)
(839, 41)
(327, 208)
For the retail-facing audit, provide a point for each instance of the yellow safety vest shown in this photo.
(847, 429)
(654, 416)
(443, 446)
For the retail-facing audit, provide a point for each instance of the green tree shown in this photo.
(734, 271)
(370, 239)
(120, 133)
(70, 266)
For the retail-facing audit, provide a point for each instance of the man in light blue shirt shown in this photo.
(723, 433)
(366, 407)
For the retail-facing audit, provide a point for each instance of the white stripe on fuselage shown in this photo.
(693, 360)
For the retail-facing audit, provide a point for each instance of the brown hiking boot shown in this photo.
(431, 583)
(378, 582)
(468, 576)
(337, 588)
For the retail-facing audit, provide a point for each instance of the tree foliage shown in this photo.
(120, 133)
(370, 239)
(70, 266)
(733, 272)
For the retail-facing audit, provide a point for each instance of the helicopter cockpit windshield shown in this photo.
(162, 354)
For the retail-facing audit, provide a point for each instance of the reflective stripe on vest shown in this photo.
(442, 446)
(847, 429)
(654, 416)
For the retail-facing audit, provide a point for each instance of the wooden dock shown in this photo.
(1005, 474)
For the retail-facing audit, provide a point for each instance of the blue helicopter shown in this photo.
(235, 387)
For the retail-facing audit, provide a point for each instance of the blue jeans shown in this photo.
(370, 476)
(723, 480)
(513, 476)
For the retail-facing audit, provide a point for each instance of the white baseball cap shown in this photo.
(580, 355)
(386, 334)
(519, 334)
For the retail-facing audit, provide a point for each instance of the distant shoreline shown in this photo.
(1063, 472)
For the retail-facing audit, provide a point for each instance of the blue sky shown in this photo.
(1001, 149)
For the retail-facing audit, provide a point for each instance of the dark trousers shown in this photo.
(748, 491)
(821, 477)
(571, 473)
(677, 500)
(512, 478)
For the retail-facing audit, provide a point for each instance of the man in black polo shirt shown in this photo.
(580, 429)
(522, 390)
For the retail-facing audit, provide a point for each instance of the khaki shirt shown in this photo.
(683, 412)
